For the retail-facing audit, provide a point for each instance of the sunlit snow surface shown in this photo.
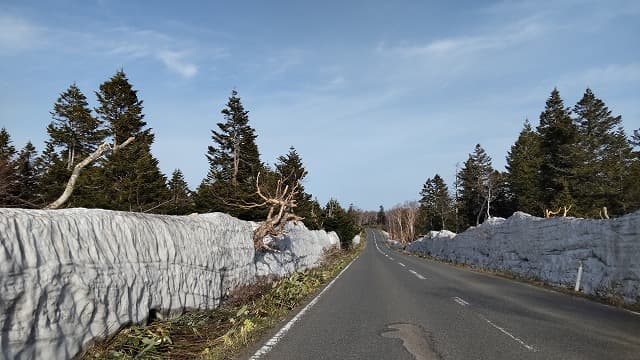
(550, 250)
(70, 276)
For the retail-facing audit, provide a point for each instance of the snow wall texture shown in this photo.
(550, 250)
(68, 277)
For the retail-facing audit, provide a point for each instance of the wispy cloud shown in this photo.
(16, 34)
(19, 34)
(175, 61)
(514, 34)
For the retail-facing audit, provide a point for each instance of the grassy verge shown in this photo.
(610, 299)
(247, 314)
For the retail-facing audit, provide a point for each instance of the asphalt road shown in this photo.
(388, 305)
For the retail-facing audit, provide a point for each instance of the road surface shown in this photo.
(388, 305)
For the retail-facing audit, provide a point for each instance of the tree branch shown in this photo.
(82, 164)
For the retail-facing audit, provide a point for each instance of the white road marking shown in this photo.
(282, 332)
(460, 301)
(417, 275)
(518, 340)
(390, 258)
(401, 264)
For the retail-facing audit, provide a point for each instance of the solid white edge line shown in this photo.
(282, 332)
(518, 340)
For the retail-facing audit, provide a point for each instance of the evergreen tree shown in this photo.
(131, 179)
(523, 171)
(602, 156)
(435, 205)
(557, 136)
(181, 202)
(73, 128)
(290, 168)
(342, 222)
(27, 177)
(52, 173)
(503, 202)
(476, 185)
(234, 163)
(8, 173)
(381, 217)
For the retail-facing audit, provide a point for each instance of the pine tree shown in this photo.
(130, 177)
(27, 177)
(381, 217)
(290, 168)
(557, 136)
(181, 202)
(342, 222)
(602, 156)
(523, 171)
(234, 163)
(52, 172)
(475, 182)
(436, 205)
(8, 173)
(73, 127)
(503, 202)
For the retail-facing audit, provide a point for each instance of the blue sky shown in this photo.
(375, 95)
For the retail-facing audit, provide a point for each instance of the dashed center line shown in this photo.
(460, 301)
(417, 275)
(390, 258)
(401, 264)
(516, 339)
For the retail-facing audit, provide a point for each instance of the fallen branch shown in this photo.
(76, 170)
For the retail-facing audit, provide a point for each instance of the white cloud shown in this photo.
(17, 34)
(514, 34)
(175, 62)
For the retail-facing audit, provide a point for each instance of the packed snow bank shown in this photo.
(70, 276)
(355, 241)
(550, 250)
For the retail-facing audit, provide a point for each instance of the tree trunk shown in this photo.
(76, 171)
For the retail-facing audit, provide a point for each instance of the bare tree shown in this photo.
(71, 184)
(280, 204)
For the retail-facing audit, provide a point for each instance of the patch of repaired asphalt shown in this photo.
(415, 339)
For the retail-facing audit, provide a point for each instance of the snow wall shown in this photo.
(550, 250)
(68, 277)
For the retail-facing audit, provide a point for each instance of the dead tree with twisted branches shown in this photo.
(280, 203)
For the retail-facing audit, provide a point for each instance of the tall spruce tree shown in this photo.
(475, 183)
(523, 171)
(632, 188)
(234, 163)
(73, 128)
(181, 201)
(52, 173)
(436, 206)
(342, 222)
(290, 168)
(557, 137)
(131, 179)
(381, 217)
(27, 178)
(602, 156)
(8, 172)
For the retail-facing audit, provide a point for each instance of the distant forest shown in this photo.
(129, 179)
(577, 162)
